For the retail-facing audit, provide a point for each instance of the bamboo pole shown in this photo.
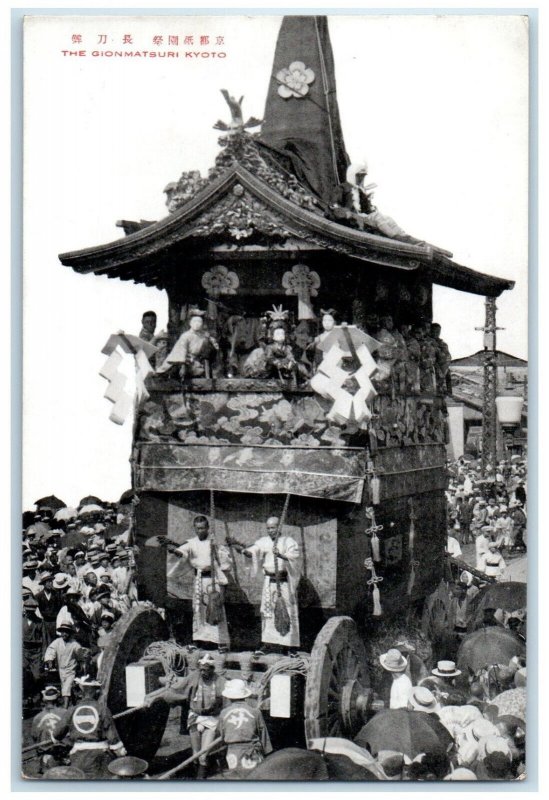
(43, 743)
(153, 695)
(208, 749)
(458, 562)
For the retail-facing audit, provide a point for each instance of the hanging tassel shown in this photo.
(412, 578)
(375, 490)
(375, 547)
(411, 542)
(373, 582)
(282, 620)
(214, 608)
(377, 601)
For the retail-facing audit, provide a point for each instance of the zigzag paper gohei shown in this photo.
(346, 341)
(118, 347)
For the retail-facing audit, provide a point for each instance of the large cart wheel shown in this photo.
(142, 731)
(336, 692)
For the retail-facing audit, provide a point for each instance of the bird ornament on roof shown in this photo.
(237, 124)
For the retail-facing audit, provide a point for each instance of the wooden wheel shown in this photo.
(142, 731)
(336, 692)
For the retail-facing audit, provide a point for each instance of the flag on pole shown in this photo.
(117, 348)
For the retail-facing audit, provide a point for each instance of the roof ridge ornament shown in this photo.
(237, 123)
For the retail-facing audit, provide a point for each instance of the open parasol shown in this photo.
(38, 529)
(407, 732)
(92, 508)
(90, 498)
(488, 646)
(126, 497)
(509, 596)
(52, 502)
(65, 513)
(511, 702)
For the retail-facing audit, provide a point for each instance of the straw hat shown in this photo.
(479, 729)
(236, 689)
(496, 744)
(421, 699)
(50, 693)
(128, 767)
(65, 626)
(461, 774)
(64, 773)
(446, 669)
(393, 661)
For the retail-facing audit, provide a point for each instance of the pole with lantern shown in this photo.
(489, 413)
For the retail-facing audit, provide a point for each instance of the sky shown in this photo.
(437, 105)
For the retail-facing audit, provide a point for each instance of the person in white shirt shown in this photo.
(401, 687)
(493, 562)
(481, 546)
(453, 547)
(30, 578)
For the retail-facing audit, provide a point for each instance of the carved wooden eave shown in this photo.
(238, 212)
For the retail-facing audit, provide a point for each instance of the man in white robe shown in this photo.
(263, 554)
(209, 575)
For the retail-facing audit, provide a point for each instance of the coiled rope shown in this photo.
(289, 665)
(172, 656)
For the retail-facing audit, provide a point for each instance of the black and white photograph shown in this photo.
(275, 398)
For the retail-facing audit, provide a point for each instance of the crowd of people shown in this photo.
(489, 512)
(78, 580)
(477, 739)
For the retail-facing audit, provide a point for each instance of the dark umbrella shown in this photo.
(407, 732)
(508, 596)
(52, 502)
(126, 497)
(28, 518)
(308, 765)
(89, 500)
(488, 646)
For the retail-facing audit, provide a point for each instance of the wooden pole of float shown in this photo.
(43, 743)
(174, 770)
(474, 572)
(152, 696)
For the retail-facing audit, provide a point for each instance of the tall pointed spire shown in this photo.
(301, 114)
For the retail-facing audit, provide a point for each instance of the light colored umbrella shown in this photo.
(66, 513)
(91, 509)
(38, 529)
(512, 702)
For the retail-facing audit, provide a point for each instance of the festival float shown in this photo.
(301, 375)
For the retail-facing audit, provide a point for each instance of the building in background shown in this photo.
(465, 405)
